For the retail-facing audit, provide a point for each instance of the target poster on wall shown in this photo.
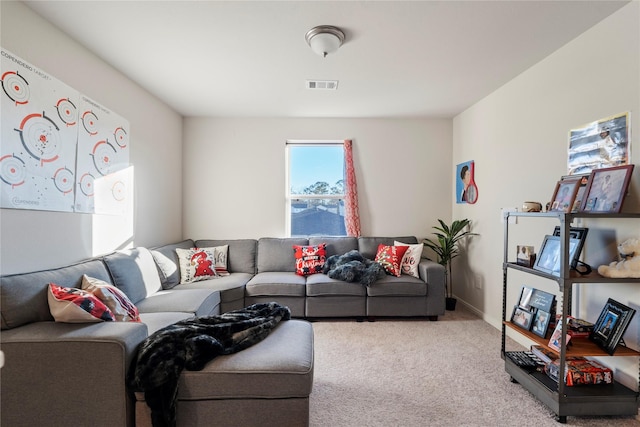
(103, 150)
(55, 142)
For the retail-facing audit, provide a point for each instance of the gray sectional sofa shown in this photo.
(61, 374)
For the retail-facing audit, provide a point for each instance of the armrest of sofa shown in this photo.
(75, 372)
(433, 275)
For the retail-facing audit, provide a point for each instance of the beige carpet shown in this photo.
(421, 373)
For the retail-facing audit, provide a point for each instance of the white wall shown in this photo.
(37, 239)
(518, 137)
(234, 184)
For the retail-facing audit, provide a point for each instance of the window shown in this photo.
(315, 188)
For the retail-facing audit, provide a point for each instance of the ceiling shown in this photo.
(250, 58)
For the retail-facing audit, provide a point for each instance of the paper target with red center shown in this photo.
(119, 191)
(63, 179)
(122, 139)
(67, 111)
(16, 87)
(39, 135)
(87, 185)
(12, 170)
(103, 157)
(90, 122)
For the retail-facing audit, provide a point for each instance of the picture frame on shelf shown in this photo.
(550, 257)
(555, 340)
(525, 298)
(526, 256)
(541, 323)
(522, 317)
(564, 195)
(606, 189)
(611, 325)
(584, 179)
(579, 233)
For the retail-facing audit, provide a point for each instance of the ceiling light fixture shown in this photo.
(324, 39)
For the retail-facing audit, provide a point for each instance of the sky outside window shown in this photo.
(311, 164)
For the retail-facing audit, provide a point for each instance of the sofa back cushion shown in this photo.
(241, 255)
(134, 272)
(24, 296)
(336, 245)
(276, 254)
(368, 246)
(166, 259)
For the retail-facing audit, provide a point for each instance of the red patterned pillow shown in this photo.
(390, 257)
(196, 264)
(73, 305)
(120, 305)
(310, 259)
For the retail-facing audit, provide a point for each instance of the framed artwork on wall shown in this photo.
(466, 189)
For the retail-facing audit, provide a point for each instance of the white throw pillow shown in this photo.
(411, 258)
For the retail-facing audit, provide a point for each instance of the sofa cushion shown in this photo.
(275, 254)
(241, 256)
(166, 259)
(323, 285)
(24, 296)
(390, 257)
(198, 302)
(310, 259)
(122, 308)
(134, 272)
(276, 283)
(368, 246)
(404, 285)
(73, 305)
(231, 287)
(336, 245)
(196, 264)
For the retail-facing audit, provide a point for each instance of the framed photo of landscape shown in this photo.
(611, 325)
(607, 189)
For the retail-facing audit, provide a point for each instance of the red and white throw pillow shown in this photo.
(120, 305)
(390, 257)
(310, 259)
(73, 305)
(196, 264)
(411, 258)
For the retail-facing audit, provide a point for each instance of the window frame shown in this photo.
(289, 197)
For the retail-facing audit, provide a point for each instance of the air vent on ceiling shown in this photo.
(322, 84)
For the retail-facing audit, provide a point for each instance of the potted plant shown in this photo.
(446, 248)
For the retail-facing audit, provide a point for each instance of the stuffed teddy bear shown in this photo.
(630, 265)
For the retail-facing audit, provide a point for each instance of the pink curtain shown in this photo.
(352, 216)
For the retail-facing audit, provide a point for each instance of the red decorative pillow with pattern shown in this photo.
(310, 259)
(73, 305)
(390, 257)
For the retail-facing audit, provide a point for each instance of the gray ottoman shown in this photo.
(267, 384)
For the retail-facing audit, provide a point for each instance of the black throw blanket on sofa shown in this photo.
(190, 344)
(353, 267)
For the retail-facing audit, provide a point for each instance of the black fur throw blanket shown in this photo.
(190, 344)
(353, 267)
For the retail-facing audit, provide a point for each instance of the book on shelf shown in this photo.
(580, 371)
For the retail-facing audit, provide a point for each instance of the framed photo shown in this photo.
(522, 317)
(550, 256)
(611, 325)
(525, 298)
(541, 300)
(541, 323)
(579, 233)
(564, 195)
(556, 337)
(584, 179)
(526, 256)
(607, 189)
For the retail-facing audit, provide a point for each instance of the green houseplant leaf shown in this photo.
(446, 246)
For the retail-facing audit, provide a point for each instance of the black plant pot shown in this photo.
(450, 303)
